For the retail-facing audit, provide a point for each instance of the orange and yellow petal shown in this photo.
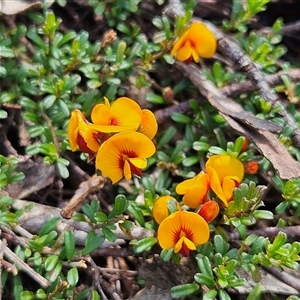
(228, 186)
(182, 224)
(209, 211)
(215, 184)
(195, 196)
(197, 41)
(204, 41)
(113, 153)
(226, 165)
(195, 190)
(73, 129)
(126, 112)
(179, 43)
(148, 124)
(160, 208)
(101, 114)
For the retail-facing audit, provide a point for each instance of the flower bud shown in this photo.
(209, 211)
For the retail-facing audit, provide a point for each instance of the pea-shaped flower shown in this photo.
(183, 231)
(197, 41)
(226, 173)
(124, 154)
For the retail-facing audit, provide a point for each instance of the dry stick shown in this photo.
(22, 265)
(285, 277)
(257, 130)
(230, 91)
(244, 64)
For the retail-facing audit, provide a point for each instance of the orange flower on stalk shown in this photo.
(123, 115)
(194, 190)
(183, 231)
(81, 136)
(197, 41)
(124, 154)
(160, 208)
(226, 173)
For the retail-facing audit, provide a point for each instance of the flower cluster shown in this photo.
(183, 230)
(119, 136)
(197, 41)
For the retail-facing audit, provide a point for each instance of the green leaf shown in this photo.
(183, 290)
(167, 136)
(119, 207)
(144, 245)
(62, 170)
(216, 150)
(263, 214)
(204, 265)
(137, 215)
(223, 295)
(69, 241)
(109, 234)
(166, 255)
(89, 212)
(221, 246)
(93, 244)
(49, 226)
(256, 292)
(190, 161)
(55, 273)
(278, 242)
(51, 262)
(181, 118)
(210, 295)
(204, 279)
(154, 98)
(72, 277)
(95, 296)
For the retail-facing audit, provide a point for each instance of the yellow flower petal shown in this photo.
(226, 165)
(197, 41)
(113, 153)
(73, 129)
(101, 114)
(80, 135)
(160, 208)
(195, 190)
(127, 170)
(215, 184)
(182, 224)
(203, 39)
(148, 125)
(228, 186)
(126, 112)
(185, 185)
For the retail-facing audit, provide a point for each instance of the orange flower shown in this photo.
(194, 190)
(209, 210)
(124, 154)
(160, 208)
(81, 136)
(225, 172)
(183, 231)
(148, 124)
(123, 115)
(198, 41)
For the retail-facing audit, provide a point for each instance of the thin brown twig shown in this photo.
(25, 267)
(233, 90)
